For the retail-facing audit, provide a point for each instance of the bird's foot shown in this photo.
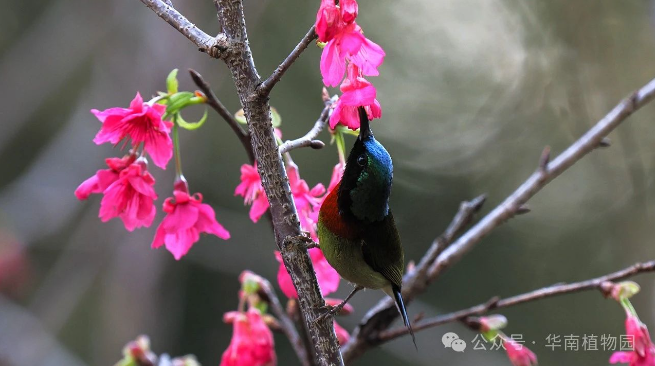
(329, 310)
(306, 239)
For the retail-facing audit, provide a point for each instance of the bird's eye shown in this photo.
(361, 160)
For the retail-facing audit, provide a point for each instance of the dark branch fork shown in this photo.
(216, 104)
(287, 325)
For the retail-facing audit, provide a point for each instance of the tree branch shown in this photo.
(268, 84)
(310, 138)
(215, 103)
(286, 323)
(496, 303)
(288, 235)
(384, 313)
(213, 46)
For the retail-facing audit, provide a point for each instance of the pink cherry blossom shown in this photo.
(518, 354)
(252, 191)
(328, 278)
(141, 122)
(129, 197)
(104, 177)
(643, 353)
(342, 335)
(349, 10)
(357, 92)
(349, 44)
(252, 342)
(328, 21)
(307, 201)
(186, 218)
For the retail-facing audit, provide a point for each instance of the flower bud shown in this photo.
(171, 82)
(138, 352)
(492, 322)
(623, 290)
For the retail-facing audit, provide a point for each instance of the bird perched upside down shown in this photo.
(356, 230)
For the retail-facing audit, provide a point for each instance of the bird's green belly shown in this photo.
(347, 259)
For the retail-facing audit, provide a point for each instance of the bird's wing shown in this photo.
(383, 250)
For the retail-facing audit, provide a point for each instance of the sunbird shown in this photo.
(356, 230)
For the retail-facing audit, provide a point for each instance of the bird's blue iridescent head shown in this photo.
(366, 184)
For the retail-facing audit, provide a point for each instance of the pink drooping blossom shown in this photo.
(349, 9)
(643, 350)
(328, 278)
(131, 196)
(357, 92)
(186, 218)
(252, 342)
(252, 191)
(349, 45)
(308, 201)
(342, 335)
(518, 354)
(142, 123)
(328, 20)
(103, 177)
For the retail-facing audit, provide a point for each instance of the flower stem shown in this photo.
(341, 146)
(176, 145)
(627, 305)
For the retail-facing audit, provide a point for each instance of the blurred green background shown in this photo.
(472, 90)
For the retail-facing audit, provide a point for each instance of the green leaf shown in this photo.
(276, 119)
(171, 82)
(240, 116)
(178, 101)
(190, 125)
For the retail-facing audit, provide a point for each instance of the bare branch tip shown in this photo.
(478, 202)
(523, 209)
(544, 159)
(316, 144)
(605, 142)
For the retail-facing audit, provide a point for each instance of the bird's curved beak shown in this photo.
(364, 127)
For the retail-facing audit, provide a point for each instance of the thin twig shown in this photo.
(495, 303)
(462, 219)
(539, 179)
(212, 46)
(383, 314)
(309, 140)
(268, 84)
(215, 103)
(286, 323)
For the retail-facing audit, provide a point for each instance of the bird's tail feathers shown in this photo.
(398, 297)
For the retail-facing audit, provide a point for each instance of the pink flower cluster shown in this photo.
(128, 188)
(308, 202)
(252, 341)
(347, 49)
